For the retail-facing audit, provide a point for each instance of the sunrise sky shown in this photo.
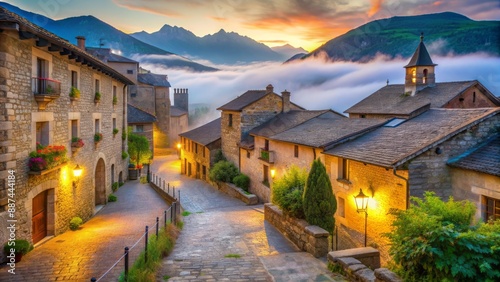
(301, 23)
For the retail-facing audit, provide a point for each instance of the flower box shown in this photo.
(46, 159)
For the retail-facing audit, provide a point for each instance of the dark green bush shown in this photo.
(219, 157)
(319, 202)
(433, 241)
(112, 198)
(287, 191)
(242, 181)
(75, 223)
(115, 186)
(223, 171)
(20, 247)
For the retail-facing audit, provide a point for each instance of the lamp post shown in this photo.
(77, 172)
(362, 206)
(179, 150)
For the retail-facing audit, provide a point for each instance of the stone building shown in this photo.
(179, 113)
(475, 176)
(37, 72)
(396, 161)
(246, 112)
(421, 89)
(142, 123)
(198, 149)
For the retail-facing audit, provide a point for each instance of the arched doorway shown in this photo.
(100, 183)
(112, 174)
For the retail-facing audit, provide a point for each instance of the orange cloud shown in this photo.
(376, 4)
(153, 8)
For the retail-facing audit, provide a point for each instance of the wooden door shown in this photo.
(39, 218)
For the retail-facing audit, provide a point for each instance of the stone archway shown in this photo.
(100, 183)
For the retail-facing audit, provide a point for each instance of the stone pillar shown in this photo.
(181, 98)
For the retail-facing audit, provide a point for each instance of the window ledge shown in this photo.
(46, 171)
(345, 181)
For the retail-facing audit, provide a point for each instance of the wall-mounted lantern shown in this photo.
(362, 206)
(273, 173)
(77, 172)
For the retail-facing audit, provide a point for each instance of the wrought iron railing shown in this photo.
(46, 86)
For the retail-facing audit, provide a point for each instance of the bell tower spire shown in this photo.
(420, 70)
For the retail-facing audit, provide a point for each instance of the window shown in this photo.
(362, 116)
(74, 79)
(196, 148)
(42, 133)
(341, 206)
(204, 172)
(248, 154)
(130, 71)
(424, 79)
(139, 128)
(491, 208)
(474, 97)
(230, 123)
(203, 148)
(265, 177)
(97, 126)
(296, 151)
(343, 169)
(42, 74)
(266, 145)
(74, 128)
(97, 85)
(414, 76)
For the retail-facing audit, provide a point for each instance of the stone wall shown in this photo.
(309, 238)
(178, 125)
(204, 157)
(355, 270)
(231, 136)
(162, 112)
(429, 172)
(236, 192)
(21, 112)
(471, 98)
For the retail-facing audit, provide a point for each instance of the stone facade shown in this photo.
(471, 98)
(474, 186)
(101, 163)
(387, 192)
(196, 159)
(429, 172)
(283, 158)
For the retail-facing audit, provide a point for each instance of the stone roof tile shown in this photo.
(136, 115)
(205, 134)
(484, 158)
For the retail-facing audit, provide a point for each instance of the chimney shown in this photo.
(285, 95)
(80, 42)
(181, 98)
(269, 89)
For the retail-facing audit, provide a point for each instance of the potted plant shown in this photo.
(132, 172)
(47, 157)
(115, 100)
(18, 248)
(115, 131)
(37, 164)
(97, 97)
(76, 143)
(74, 93)
(97, 137)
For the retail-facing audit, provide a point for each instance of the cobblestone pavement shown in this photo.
(92, 250)
(225, 240)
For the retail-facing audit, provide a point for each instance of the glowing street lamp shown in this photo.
(77, 172)
(362, 206)
(273, 173)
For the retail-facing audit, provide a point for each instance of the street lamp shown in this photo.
(362, 206)
(179, 150)
(77, 172)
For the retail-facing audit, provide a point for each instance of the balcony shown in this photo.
(266, 155)
(45, 90)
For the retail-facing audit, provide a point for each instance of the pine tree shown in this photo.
(319, 202)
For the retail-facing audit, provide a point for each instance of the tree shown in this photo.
(434, 241)
(138, 149)
(288, 191)
(319, 202)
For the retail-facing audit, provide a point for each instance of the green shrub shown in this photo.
(223, 171)
(115, 131)
(287, 191)
(112, 198)
(242, 181)
(121, 184)
(115, 186)
(75, 223)
(20, 247)
(219, 156)
(433, 241)
(319, 202)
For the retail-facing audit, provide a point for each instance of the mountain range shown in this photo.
(444, 34)
(219, 48)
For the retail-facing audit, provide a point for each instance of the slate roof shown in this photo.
(484, 158)
(392, 146)
(285, 121)
(106, 55)
(153, 79)
(244, 100)
(177, 112)
(390, 99)
(28, 28)
(421, 56)
(136, 115)
(327, 130)
(205, 134)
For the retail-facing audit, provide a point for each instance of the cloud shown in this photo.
(315, 84)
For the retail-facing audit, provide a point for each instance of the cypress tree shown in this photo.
(319, 202)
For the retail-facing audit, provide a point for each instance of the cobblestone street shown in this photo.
(225, 240)
(92, 250)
